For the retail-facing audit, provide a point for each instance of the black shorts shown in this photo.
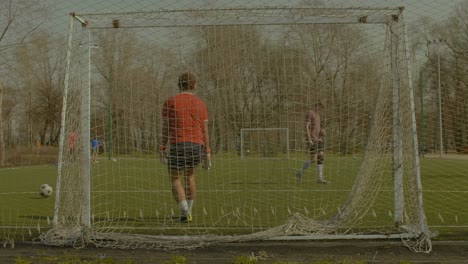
(317, 147)
(184, 155)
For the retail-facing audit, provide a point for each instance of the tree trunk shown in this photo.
(2, 143)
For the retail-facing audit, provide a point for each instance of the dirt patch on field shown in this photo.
(266, 252)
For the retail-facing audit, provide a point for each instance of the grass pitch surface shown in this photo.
(234, 197)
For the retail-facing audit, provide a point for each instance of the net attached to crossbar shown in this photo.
(259, 68)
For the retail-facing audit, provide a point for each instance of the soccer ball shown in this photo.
(45, 190)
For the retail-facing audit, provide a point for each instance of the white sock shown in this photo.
(320, 172)
(183, 208)
(190, 205)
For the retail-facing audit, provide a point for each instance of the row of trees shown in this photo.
(249, 76)
(17, 23)
(445, 46)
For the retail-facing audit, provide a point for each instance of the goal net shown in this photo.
(255, 68)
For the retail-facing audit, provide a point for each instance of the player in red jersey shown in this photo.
(185, 128)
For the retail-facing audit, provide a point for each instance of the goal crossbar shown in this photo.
(240, 16)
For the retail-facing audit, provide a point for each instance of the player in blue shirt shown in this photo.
(94, 149)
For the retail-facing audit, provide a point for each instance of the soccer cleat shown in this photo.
(298, 176)
(322, 182)
(185, 219)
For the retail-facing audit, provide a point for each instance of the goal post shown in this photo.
(259, 71)
(264, 142)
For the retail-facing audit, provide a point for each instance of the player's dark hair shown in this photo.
(186, 81)
(318, 104)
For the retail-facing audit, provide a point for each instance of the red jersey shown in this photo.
(72, 140)
(185, 114)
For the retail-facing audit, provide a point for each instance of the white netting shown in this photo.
(256, 68)
(264, 143)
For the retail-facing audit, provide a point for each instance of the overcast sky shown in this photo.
(58, 10)
(436, 9)
(57, 19)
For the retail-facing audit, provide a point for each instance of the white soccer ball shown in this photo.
(45, 190)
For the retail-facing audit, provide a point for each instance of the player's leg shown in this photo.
(320, 159)
(178, 192)
(176, 163)
(305, 165)
(301, 171)
(194, 154)
(94, 151)
(190, 191)
(71, 154)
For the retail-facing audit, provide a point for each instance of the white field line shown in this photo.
(234, 191)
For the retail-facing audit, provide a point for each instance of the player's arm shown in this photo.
(206, 137)
(309, 131)
(165, 132)
(322, 133)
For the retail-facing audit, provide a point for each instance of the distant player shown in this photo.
(315, 140)
(37, 146)
(72, 142)
(94, 149)
(185, 127)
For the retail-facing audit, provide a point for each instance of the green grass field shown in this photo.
(234, 197)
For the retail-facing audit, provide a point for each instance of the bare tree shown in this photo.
(234, 87)
(7, 103)
(42, 59)
(454, 60)
(13, 13)
(333, 76)
(135, 82)
(2, 142)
